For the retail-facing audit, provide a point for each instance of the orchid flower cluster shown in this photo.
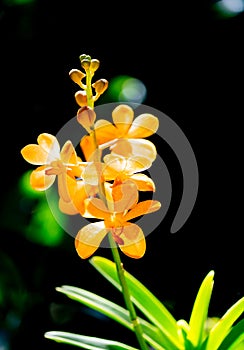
(107, 182)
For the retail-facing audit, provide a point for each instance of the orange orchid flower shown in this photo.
(124, 127)
(53, 162)
(122, 205)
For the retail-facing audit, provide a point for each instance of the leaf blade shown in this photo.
(149, 305)
(86, 342)
(151, 334)
(223, 326)
(200, 310)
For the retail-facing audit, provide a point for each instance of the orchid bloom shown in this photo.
(122, 205)
(53, 162)
(125, 136)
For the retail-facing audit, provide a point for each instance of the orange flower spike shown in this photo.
(128, 236)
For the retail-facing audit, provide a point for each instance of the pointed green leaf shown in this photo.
(149, 305)
(234, 338)
(151, 334)
(200, 310)
(85, 342)
(223, 326)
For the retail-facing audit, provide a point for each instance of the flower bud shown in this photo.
(81, 98)
(86, 117)
(94, 65)
(84, 56)
(76, 75)
(100, 86)
(85, 64)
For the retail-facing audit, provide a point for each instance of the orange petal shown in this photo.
(34, 154)
(139, 147)
(123, 116)
(142, 208)
(39, 180)
(92, 173)
(134, 241)
(126, 165)
(82, 192)
(125, 196)
(105, 131)
(49, 143)
(143, 126)
(89, 238)
(68, 186)
(122, 147)
(143, 182)
(88, 146)
(68, 153)
(67, 208)
(96, 208)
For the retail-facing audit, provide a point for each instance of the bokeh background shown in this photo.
(188, 59)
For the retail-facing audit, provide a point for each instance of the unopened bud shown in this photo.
(100, 86)
(76, 75)
(85, 57)
(81, 98)
(94, 65)
(85, 64)
(86, 117)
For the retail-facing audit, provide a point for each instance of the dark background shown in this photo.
(190, 59)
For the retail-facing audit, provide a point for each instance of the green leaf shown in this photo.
(149, 305)
(223, 326)
(85, 342)
(200, 311)
(234, 337)
(151, 334)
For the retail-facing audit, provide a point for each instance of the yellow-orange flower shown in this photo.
(53, 162)
(122, 206)
(124, 127)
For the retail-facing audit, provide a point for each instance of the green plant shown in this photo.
(108, 187)
(160, 329)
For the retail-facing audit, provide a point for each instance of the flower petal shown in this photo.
(123, 116)
(49, 144)
(142, 148)
(105, 131)
(67, 207)
(87, 146)
(89, 238)
(143, 126)
(95, 208)
(93, 173)
(68, 153)
(39, 180)
(34, 154)
(134, 241)
(126, 165)
(143, 182)
(142, 208)
(125, 196)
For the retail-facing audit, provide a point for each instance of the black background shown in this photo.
(191, 62)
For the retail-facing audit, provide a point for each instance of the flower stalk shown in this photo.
(126, 294)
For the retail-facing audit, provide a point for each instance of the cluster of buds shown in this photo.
(106, 186)
(86, 96)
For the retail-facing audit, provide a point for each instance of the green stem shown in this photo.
(127, 298)
(89, 95)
